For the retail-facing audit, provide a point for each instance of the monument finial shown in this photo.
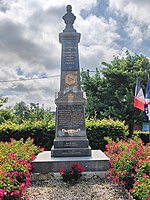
(69, 19)
(69, 8)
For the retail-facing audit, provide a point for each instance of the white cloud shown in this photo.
(98, 31)
(137, 20)
(94, 55)
(135, 34)
(148, 32)
(42, 91)
(98, 41)
(138, 10)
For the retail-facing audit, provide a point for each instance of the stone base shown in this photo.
(44, 163)
(71, 147)
(70, 152)
(69, 142)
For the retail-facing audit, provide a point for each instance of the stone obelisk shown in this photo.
(71, 144)
(70, 137)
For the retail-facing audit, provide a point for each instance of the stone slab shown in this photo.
(70, 120)
(71, 143)
(44, 163)
(70, 152)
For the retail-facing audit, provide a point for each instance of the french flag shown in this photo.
(139, 99)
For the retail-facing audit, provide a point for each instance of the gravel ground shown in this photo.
(87, 188)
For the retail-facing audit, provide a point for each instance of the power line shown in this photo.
(27, 79)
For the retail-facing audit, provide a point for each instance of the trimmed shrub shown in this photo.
(98, 130)
(15, 159)
(130, 166)
(43, 132)
(141, 186)
(143, 135)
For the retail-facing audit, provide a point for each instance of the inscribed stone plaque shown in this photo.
(70, 59)
(71, 119)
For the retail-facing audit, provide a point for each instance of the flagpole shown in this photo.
(149, 117)
(149, 131)
(147, 100)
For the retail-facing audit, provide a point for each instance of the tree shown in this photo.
(21, 111)
(6, 115)
(110, 92)
(32, 112)
(3, 100)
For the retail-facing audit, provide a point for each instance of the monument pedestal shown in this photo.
(70, 152)
(71, 147)
(45, 163)
(70, 139)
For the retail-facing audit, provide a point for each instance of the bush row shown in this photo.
(98, 130)
(130, 166)
(43, 132)
(145, 136)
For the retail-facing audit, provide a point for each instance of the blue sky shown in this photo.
(30, 48)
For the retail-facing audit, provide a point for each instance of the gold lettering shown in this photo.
(70, 130)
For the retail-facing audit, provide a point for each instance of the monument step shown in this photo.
(45, 163)
(71, 143)
(70, 152)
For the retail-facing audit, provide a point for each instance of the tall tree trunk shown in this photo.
(131, 125)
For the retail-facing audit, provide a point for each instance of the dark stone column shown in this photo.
(70, 138)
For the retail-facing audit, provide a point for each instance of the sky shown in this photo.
(30, 48)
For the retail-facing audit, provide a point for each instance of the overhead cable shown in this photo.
(27, 79)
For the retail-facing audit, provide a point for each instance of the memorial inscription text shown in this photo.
(70, 55)
(71, 117)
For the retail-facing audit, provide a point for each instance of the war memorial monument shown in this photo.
(71, 144)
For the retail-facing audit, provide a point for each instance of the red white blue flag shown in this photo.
(139, 99)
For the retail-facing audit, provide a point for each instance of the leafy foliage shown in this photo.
(6, 115)
(99, 130)
(22, 112)
(3, 100)
(143, 135)
(130, 166)
(110, 92)
(43, 132)
(15, 159)
(73, 174)
(141, 186)
(33, 112)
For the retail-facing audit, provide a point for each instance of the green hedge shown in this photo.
(43, 133)
(145, 136)
(97, 130)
